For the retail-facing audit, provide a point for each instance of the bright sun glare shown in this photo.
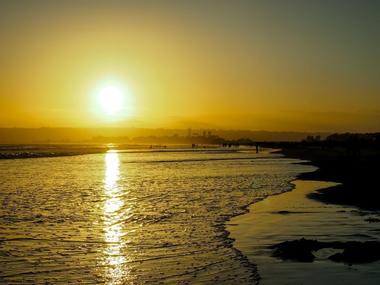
(111, 100)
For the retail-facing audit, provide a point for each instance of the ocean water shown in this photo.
(132, 217)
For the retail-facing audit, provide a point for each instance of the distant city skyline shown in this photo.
(128, 135)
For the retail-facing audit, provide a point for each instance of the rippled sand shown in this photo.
(131, 218)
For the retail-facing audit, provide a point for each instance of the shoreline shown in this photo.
(357, 175)
(47, 150)
(292, 216)
(25, 155)
(61, 150)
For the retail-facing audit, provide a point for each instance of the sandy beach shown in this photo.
(292, 216)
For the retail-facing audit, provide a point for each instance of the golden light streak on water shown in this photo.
(132, 218)
(113, 231)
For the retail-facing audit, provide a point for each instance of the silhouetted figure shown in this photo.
(257, 147)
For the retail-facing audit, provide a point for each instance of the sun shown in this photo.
(111, 100)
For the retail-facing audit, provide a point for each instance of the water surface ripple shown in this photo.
(131, 218)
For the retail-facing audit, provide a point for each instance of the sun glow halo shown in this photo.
(111, 100)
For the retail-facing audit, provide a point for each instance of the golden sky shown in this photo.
(275, 65)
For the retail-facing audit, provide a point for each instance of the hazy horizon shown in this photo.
(139, 135)
(257, 65)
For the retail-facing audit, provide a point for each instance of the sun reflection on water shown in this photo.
(113, 231)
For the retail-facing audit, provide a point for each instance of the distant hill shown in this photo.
(126, 135)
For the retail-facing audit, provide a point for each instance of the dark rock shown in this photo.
(358, 252)
(299, 250)
(353, 251)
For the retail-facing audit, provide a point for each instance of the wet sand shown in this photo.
(291, 216)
